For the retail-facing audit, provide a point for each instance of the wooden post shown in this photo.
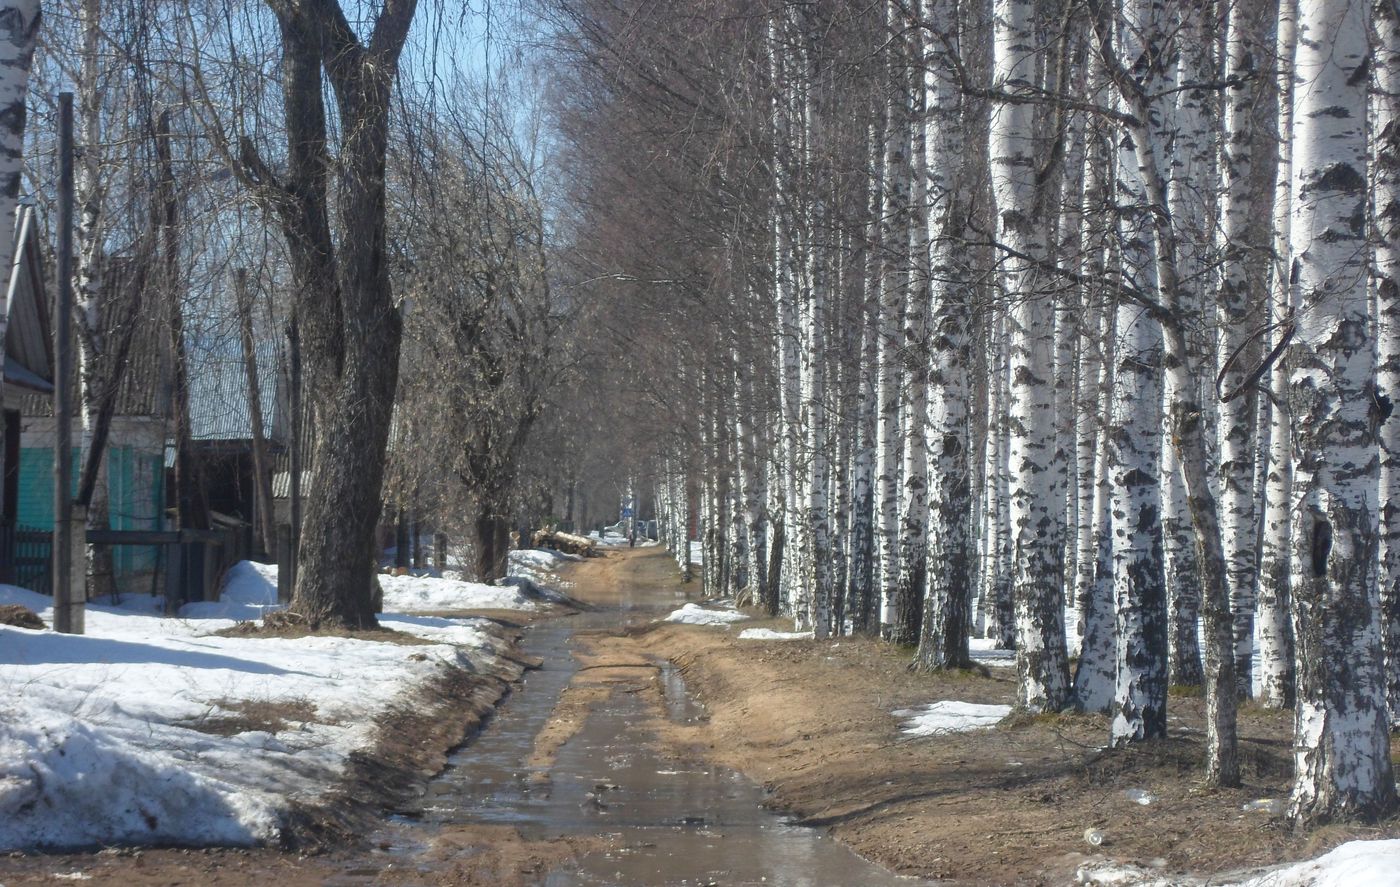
(67, 608)
(294, 450)
(401, 551)
(262, 473)
(174, 577)
(191, 503)
(440, 551)
(419, 557)
(77, 571)
(284, 563)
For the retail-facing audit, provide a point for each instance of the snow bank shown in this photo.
(694, 614)
(1354, 864)
(540, 565)
(417, 594)
(950, 716)
(250, 591)
(768, 634)
(152, 730)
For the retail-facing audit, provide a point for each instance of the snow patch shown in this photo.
(950, 716)
(540, 565)
(694, 614)
(768, 634)
(418, 594)
(1354, 864)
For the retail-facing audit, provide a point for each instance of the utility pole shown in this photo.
(68, 608)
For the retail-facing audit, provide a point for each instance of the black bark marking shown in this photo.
(1339, 177)
(1321, 547)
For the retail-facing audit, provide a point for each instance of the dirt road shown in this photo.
(645, 752)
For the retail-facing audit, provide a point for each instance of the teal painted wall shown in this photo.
(135, 489)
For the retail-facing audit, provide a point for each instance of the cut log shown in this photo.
(566, 542)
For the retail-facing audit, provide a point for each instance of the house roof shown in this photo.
(219, 391)
(28, 342)
(143, 383)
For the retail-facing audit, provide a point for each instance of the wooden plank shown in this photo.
(152, 537)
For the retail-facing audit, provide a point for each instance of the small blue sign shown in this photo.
(626, 512)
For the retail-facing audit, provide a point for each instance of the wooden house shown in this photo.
(28, 379)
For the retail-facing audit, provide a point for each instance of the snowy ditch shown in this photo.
(151, 729)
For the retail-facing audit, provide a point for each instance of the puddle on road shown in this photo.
(671, 823)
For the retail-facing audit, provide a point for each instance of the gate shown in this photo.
(26, 557)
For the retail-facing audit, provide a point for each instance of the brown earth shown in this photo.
(811, 721)
(20, 617)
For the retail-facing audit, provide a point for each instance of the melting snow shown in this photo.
(950, 716)
(768, 634)
(1354, 864)
(694, 614)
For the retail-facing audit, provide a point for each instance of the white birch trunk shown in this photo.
(1135, 439)
(894, 280)
(1342, 748)
(907, 598)
(863, 553)
(1192, 163)
(1273, 628)
(1095, 677)
(1036, 499)
(1237, 317)
(1135, 442)
(1386, 188)
(943, 639)
(1139, 80)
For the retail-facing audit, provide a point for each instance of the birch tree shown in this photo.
(1036, 495)
(1386, 190)
(1237, 312)
(1274, 629)
(943, 641)
(1342, 750)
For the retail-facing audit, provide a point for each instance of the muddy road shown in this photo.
(586, 775)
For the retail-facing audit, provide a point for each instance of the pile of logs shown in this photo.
(566, 542)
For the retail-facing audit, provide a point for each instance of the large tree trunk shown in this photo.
(1192, 161)
(1095, 677)
(350, 327)
(1342, 748)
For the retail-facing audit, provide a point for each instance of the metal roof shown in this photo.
(219, 391)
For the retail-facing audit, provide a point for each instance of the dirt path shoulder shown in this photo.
(812, 721)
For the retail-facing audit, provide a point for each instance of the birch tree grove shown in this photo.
(1004, 324)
